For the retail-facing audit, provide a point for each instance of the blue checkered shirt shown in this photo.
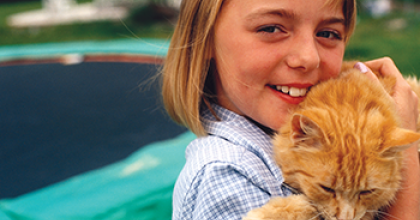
(227, 173)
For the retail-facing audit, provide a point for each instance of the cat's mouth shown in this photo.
(291, 91)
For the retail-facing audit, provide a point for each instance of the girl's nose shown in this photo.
(303, 54)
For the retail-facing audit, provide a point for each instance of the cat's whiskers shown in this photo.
(383, 213)
(321, 213)
(324, 215)
(316, 216)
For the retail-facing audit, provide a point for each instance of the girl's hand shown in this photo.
(406, 100)
(407, 203)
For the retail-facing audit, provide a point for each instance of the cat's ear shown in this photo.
(399, 140)
(305, 132)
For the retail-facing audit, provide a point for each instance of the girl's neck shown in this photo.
(266, 130)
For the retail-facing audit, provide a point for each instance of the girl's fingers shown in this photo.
(405, 99)
(384, 66)
(365, 70)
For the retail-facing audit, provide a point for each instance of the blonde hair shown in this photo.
(185, 74)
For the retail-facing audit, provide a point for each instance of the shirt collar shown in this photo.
(235, 128)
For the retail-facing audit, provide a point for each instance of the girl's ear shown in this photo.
(399, 140)
(306, 133)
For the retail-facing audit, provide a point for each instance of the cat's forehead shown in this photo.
(354, 171)
(348, 144)
(360, 134)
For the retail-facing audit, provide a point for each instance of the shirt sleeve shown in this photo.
(222, 191)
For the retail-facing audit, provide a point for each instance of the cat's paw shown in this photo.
(294, 207)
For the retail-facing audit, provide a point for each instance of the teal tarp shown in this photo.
(139, 187)
(151, 47)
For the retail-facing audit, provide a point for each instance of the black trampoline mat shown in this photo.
(58, 121)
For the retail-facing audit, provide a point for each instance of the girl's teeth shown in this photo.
(303, 92)
(292, 91)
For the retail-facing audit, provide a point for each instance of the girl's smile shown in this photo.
(268, 54)
(292, 94)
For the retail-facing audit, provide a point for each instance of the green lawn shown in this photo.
(373, 37)
(92, 31)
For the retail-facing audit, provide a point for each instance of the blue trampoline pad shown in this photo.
(138, 187)
(89, 140)
(58, 121)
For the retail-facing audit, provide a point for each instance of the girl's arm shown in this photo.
(407, 203)
(406, 206)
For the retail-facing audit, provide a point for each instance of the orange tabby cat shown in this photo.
(342, 150)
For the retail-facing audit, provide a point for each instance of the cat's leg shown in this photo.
(294, 207)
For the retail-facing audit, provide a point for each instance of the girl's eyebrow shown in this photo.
(289, 15)
(334, 20)
(265, 12)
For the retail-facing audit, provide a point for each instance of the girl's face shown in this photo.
(268, 53)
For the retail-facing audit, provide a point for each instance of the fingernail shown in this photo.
(361, 66)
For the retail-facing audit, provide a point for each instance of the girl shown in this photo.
(234, 70)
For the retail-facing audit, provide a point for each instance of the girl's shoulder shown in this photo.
(214, 155)
(217, 170)
(217, 149)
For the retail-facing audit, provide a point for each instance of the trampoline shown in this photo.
(89, 140)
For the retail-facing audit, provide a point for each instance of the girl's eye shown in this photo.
(329, 34)
(269, 29)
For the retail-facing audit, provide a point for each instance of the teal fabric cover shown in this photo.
(150, 47)
(138, 187)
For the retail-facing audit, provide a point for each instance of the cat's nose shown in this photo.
(338, 218)
(346, 212)
(345, 216)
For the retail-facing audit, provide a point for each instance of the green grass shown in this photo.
(374, 38)
(104, 30)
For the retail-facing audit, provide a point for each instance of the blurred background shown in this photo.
(384, 28)
(71, 20)
(388, 28)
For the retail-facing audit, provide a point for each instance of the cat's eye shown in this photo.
(327, 189)
(366, 192)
